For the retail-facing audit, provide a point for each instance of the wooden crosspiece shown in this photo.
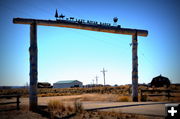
(77, 25)
(69, 24)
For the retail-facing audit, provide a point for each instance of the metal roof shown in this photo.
(66, 81)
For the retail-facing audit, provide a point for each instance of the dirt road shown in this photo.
(146, 108)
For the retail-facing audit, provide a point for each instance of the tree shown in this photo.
(56, 14)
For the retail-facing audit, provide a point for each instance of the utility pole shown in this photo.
(96, 80)
(103, 71)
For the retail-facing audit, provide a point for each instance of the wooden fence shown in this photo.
(17, 102)
(153, 93)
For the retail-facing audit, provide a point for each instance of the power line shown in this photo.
(104, 71)
(96, 80)
(93, 82)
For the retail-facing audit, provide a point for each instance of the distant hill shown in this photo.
(11, 87)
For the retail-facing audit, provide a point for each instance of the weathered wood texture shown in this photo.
(166, 93)
(70, 24)
(17, 102)
(134, 68)
(33, 51)
(84, 26)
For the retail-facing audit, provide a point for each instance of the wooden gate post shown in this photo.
(33, 67)
(134, 68)
(60, 23)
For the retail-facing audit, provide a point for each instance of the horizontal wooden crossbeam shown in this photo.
(83, 26)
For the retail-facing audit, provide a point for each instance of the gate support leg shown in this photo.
(134, 68)
(33, 67)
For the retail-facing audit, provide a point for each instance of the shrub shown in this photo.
(144, 98)
(69, 108)
(55, 107)
(78, 106)
(123, 99)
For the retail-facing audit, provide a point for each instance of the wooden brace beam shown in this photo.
(93, 27)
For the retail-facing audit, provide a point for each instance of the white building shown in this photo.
(67, 84)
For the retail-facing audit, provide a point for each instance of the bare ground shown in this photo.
(91, 101)
(23, 113)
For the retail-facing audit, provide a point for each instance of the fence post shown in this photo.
(18, 96)
(168, 91)
(141, 94)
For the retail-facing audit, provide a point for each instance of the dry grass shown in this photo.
(108, 93)
(99, 97)
(59, 109)
(78, 106)
(110, 115)
(143, 98)
(157, 99)
(70, 108)
(23, 113)
(69, 91)
(56, 105)
(82, 114)
(123, 99)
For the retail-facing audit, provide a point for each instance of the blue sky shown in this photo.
(71, 54)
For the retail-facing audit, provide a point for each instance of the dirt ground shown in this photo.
(91, 101)
(23, 113)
